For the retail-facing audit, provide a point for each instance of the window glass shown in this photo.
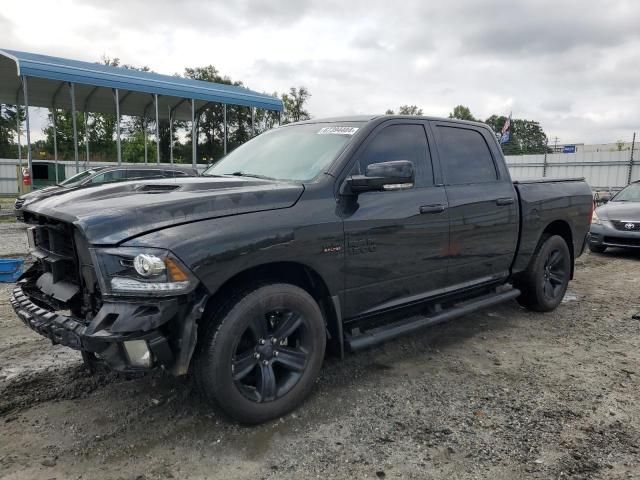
(133, 174)
(78, 177)
(107, 177)
(465, 156)
(400, 142)
(297, 152)
(629, 194)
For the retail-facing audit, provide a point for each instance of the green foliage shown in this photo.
(294, 105)
(527, 136)
(462, 113)
(8, 130)
(409, 110)
(406, 110)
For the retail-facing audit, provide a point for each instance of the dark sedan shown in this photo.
(101, 175)
(617, 223)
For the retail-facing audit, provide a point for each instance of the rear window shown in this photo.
(465, 156)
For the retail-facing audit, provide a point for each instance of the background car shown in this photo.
(617, 223)
(100, 175)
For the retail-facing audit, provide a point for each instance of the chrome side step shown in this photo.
(387, 332)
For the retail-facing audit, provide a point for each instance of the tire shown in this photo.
(260, 356)
(545, 281)
(597, 248)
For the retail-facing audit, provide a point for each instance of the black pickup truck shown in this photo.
(327, 235)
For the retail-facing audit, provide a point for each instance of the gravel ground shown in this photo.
(500, 394)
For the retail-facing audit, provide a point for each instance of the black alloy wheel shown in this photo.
(271, 355)
(546, 279)
(259, 356)
(555, 275)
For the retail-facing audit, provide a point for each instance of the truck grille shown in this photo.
(53, 246)
(626, 226)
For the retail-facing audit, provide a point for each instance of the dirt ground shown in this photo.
(500, 394)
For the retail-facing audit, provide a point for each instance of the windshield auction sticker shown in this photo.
(337, 131)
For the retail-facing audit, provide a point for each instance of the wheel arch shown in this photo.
(562, 229)
(294, 273)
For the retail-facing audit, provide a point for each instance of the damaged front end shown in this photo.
(132, 309)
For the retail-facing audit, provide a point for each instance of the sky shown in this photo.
(573, 66)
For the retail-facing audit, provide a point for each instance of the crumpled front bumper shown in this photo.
(107, 339)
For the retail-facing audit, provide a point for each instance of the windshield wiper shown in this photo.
(252, 175)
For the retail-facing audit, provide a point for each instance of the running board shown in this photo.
(410, 325)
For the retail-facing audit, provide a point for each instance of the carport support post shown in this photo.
(171, 135)
(55, 141)
(25, 92)
(253, 121)
(86, 137)
(145, 126)
(18, 128)
(72, 91)
(194, 139)
(224, 121)
(116, 97)
(155, 99)
(279, 117)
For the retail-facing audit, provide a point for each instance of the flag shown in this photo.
(505, 133)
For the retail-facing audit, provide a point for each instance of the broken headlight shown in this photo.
(141, 271)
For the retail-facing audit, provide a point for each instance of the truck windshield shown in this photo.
(297, 152)
(629, 194)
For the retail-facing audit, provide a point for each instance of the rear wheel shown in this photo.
(597, 248)
(545, 282)
(260, 357)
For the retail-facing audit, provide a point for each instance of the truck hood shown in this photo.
(624, 211)
(111, 214)
(43, 193)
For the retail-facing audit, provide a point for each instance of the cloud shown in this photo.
(571, 65)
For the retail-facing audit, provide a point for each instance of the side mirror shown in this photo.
(394, 175)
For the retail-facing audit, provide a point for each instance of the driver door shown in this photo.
(397, 240)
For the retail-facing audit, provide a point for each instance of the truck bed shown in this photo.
(564, 203)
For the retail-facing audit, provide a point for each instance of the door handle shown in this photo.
(501, 202)
(438, 208)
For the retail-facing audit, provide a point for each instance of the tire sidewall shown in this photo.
(552, 243)
(219, 350)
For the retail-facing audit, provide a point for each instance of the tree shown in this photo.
(405, 110)
(527, 136)
(409, 110)
(462, 113)
(9, 129)
(294, 105)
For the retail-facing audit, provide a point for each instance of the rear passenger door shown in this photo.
(483, 208)
(396, 241)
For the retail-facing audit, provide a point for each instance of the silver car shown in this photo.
(617, 223)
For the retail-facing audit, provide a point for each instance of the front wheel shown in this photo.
(597, 248)
(259, 359)
(545, 282)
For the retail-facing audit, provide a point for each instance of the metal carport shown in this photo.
(35, 80)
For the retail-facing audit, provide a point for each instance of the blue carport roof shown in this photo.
(94, 82)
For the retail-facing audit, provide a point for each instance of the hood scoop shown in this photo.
(158, 188)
